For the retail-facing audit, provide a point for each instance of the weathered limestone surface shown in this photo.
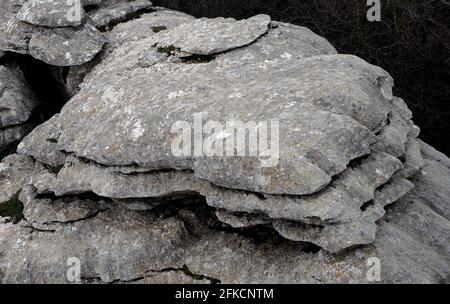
(112, 12)
(133, 30)
(15, 170)
(51, 13)
(46, 30)
(17, 102)
(113, 246)
(75, 46)
(100, 181)
(329, 166)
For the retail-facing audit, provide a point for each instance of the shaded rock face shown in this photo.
(112, 242)
(100, 181)
(17, 102)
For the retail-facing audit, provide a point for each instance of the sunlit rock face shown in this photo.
(101, 181)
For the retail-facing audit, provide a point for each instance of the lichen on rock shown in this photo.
(100, 181)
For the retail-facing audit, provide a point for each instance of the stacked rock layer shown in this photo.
(102, 175)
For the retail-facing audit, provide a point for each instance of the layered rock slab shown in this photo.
(348, 146)
(338, 119)
(225, 256)
(109, 13)
(52, 13)
(61, 44)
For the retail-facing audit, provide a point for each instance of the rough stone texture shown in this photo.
(133, 30)
(43, 146)
(11, 136)
(113, 247)
(14, 34)
(66, 46)
(99, 180)
(17, 102)
(107, 15)
(15, 170)
(432, 183)
(13, 5)
(348, 234)
(329, 166)
(211, 36)
(51, 13)
(61, 46)
(340, 133)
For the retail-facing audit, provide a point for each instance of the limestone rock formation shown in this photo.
(344, 179)
(111, 12)
(46, 30)
(52, 13)
(17, 102)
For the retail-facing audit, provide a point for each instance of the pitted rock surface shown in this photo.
(100, 180)
(46, 30)
(17, 102)
(52, 13)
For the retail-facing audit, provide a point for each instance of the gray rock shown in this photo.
(211, 36)
(339, 206)
(56, 46)
(17, 100)
(125, 147)
(109, 15)
(12, 5)
(50, 214)
(432, 182)
(337, 237)
(41, 144)
(331, 127)
(133, 30)
(356, 185)
(66, 46)
(113, 247)
(11, 136)
(104, 186)
(241, 220)
(51, 13)
(394, 135)
(108, 259)
(15, 170)
(413, 158)
(14, 34)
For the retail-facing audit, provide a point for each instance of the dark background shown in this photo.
(412, 43)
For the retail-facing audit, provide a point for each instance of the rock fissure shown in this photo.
(99, 179)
